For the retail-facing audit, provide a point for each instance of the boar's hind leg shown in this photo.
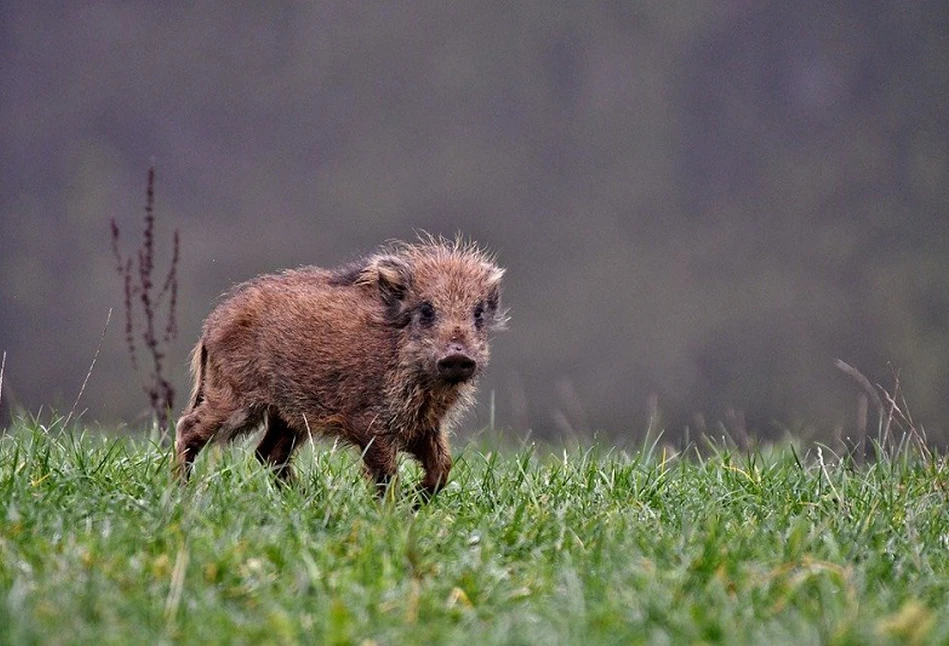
(432, 451)
(193, 432)
(201, 425)
(277, 446)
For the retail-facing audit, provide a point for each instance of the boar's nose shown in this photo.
(456, 366)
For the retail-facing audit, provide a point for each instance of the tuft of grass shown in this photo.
(584, 545)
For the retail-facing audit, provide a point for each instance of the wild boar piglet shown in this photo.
(383, 353)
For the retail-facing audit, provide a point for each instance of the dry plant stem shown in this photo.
(873, 395)
(141, 289)
(864, 382)
(91, 366)
(3, 363)
(902, 413)
(895, 411)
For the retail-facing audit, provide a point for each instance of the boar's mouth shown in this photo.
(456, 367)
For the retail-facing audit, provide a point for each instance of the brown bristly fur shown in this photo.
(383, 353)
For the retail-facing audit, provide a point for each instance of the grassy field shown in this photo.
(97, 545)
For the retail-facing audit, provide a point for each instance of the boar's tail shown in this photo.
(199, 359)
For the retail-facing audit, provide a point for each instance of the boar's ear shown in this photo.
(390, 274)
(500, 316)
(495, 274)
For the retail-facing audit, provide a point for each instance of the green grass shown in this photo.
(97, 545)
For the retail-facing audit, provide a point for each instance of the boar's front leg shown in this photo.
(379, 456)
(431, 449)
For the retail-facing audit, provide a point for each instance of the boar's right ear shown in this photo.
(390, 274)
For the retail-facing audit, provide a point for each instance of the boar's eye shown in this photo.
(479, 315)
(426, 314)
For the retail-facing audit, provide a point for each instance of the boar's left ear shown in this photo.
(391, 274)
(495, 275)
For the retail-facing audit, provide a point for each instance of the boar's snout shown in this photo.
(456, 366)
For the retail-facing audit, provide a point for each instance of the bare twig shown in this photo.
(873, 396)
(864, 383)
(3, 362)
(145, 333)
(91, 366)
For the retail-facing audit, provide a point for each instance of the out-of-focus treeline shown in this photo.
(701, 204)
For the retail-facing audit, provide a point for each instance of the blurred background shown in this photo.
(701, 205)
